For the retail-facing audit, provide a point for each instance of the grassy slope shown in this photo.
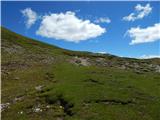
(72, 91)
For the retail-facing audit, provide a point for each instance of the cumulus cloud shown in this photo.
(139, 13)
(67, 26)
(30, 16)
(102, 20)
(144, 35)
(149, 56)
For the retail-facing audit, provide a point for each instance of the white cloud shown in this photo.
(102, 20)
(68, 27)
(102, 52)
(139, 13)
(144, 35)
(30, 15)
(149, 56)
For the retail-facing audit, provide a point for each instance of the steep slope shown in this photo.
(44, 82)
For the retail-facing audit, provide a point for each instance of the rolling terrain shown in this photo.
(45, 82)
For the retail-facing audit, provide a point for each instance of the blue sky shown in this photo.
(113, 40)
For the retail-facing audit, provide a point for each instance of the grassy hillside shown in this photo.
(44, 82)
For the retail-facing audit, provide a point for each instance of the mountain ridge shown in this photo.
(3, 28)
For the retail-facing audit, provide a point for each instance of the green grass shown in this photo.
(74, 92)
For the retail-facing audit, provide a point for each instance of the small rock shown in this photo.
(21, 112)
(16, 78)
(37, 110)
(61, 107)
(138, 72)
(135, 65)
(39, 88)
(18, 99)
(60, 118)
(123, 67)
(5, 72)
(47, 106)
(157, 68)
(4, 106)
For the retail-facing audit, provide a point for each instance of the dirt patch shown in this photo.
(63, 103)
(66, 105)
